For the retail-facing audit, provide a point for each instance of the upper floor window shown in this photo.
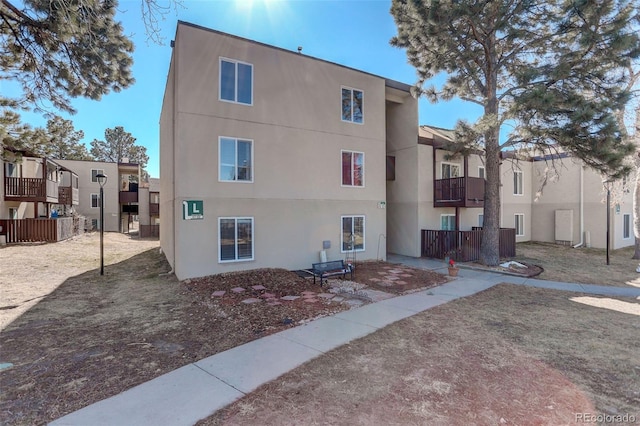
(352, 105)
(95, 201)
(450, 170)
(352, 168)
(94, 173)
(236, 81)
(518, 188)
(11, 170)
(481, 173)
(236, 160)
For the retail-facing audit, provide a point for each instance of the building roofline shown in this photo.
(388, 82)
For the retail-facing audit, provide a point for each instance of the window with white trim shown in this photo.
(235, 239)
(236, 81)
(95, 201)
(481, 172)
(448, 222)
(352, 233)
(235, 160)
(449, 170)
(518, 187)
(95, 173)
(626, 226)
(13, 213)
(11, 170)
(352, 168)
(519, 224)
(352, 100)
(481, 220)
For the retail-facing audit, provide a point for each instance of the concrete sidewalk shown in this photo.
(197, 390)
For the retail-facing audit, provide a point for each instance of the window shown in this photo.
(95, 201)
(236, 160)
(11, 170)
(235, 239)
(352, 168)
(481, 172)
(517, 183)
(94, 173)
(13, 213)
(481, 220)
(352, 105)
(236, 81)
(352, 233)
(450, 170)
(519, 224)
(626, 226)
(448, 222)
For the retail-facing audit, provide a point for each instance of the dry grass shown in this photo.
(582, 265)
(509, 355)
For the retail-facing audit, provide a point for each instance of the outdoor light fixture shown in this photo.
(607, 186)
(102, 180)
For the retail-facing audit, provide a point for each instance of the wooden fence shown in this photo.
(40, 230)
(464, 246)
(148, 231)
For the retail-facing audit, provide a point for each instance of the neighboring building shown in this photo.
(149, 211)
(284, 154)
(120, 192)
(431, 189)
(36, 187)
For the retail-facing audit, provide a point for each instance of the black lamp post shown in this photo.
(102, 180)
(607, 185)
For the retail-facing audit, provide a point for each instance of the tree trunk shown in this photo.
(490, 247)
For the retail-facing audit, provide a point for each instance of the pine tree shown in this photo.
(118, 146)
(61, 49)
(552, 69)
(60, 140)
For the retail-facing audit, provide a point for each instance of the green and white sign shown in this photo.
(192, 210)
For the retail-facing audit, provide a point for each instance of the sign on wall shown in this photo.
(192, 210)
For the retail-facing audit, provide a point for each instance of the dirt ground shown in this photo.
(75, 337)
(581, 265)
(510, 355)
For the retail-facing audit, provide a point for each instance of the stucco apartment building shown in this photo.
(431, 189)
(269, 157)
(36, 187)
(120, 192)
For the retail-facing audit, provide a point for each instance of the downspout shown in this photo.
(581, 207)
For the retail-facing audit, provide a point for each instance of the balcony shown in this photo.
(458, 192)
(68, 196)
(128, 197)
(30, 189)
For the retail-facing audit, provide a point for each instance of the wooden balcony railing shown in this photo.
(68, 196)
(463, 191)
(464, 246)
(33, 189)
(128, 197)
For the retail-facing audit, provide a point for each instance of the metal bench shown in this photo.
(330, 269)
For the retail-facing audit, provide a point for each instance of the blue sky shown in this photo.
(354, 33)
